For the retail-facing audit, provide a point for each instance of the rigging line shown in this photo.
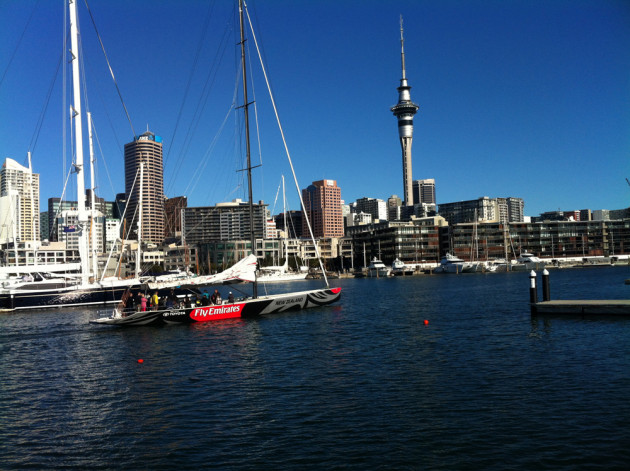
(17, 46)
(111, 71)
(286, 148)
(201, 105)
(63, 193)
(40, 120)
(203, 162)
(204, 33)
(258, 142)
(109, 178)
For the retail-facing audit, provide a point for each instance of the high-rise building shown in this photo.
(322, 205)
(424, 191)
(146, 149)
(404, 111)
(19, 187)
(373, 206)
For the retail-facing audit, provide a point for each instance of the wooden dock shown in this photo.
(613, 307)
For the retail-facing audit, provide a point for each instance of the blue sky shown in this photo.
(528, 99)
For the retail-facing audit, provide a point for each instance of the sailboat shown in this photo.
(274, 273)
(80, 284)
(244, 307)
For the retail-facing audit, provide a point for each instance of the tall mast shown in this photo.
(92, 197)
(247, 145)
(138, 250)
(78, 136)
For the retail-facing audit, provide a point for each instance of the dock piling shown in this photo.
(533, 293)
(545, 286)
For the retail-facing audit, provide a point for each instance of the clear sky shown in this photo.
(529, 99)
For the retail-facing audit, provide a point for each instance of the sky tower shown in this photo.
(404, 111)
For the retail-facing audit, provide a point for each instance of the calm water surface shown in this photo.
(361, 385)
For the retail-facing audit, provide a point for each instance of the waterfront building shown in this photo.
(322, 204)
(173, 208)
(67, 226)
(511, 209)
(146, 149)
(178, 257)
(112, 232)
(55, 207)
(482, 209)
(19, 188)
(294, 223)
(424, 191)
(548, 239)
(404, 111)
(225, 221)
(217, 255)
(37, 253)
(414, 241)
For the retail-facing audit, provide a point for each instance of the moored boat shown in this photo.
(377, 269)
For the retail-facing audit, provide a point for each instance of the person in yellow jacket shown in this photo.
(155, 301)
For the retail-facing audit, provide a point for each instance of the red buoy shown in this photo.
(426, 322)
(140, 360)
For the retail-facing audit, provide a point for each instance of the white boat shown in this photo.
(272, 274)
(452, 264)
(401, 268)
(526, 262)
(377, 269)
(251, 306)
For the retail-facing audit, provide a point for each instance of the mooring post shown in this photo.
(533, 294)
(545, 281)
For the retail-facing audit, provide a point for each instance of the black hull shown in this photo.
(250, 308)
(73, 297)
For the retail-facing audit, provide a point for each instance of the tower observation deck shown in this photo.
(404, 110)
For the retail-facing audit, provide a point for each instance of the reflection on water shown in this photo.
(363, 384)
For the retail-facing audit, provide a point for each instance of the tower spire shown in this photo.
(402, 49)
(404, 111)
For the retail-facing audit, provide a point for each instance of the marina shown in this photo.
(363, 384)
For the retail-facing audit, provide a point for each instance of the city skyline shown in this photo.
(521, 100)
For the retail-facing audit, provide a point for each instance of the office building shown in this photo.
(146, 149)
(225, 221)
(377, 208)
(322, 205)
(424, 191)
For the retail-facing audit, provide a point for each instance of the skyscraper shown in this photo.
(404, 111)
(145, 149)
(424, 191)
(322, 204)
(19, 187)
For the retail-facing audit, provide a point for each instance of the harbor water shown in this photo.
(364, 384)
